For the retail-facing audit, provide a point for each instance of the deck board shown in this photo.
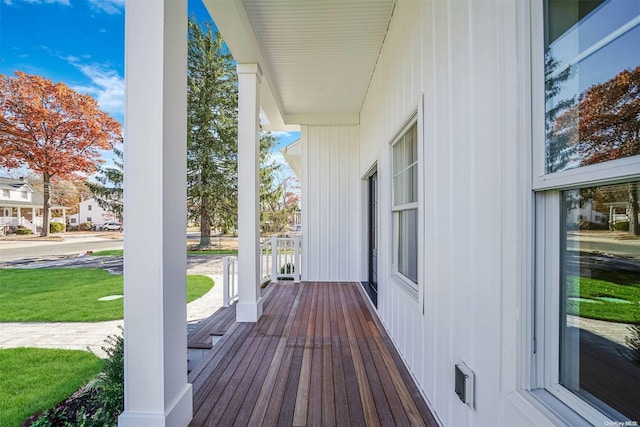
(318, 356)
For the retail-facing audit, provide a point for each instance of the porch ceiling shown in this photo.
(317, 56)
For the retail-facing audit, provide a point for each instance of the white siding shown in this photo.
(461, 56)
(330, 211)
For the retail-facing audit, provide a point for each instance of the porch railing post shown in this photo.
(297, 258)
(225, 281)
(274, 258)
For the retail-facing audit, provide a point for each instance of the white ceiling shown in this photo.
(317, 55)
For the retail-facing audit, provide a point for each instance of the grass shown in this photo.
(69, 294)
(120, 252)
(35, 379)
(594, 290)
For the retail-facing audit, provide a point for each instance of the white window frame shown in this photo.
(6, 194)
(541, 365)
(414, 290)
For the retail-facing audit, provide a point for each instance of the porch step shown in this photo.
(217, 324)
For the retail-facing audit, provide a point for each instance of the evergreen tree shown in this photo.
(107, 191)
(212, 138)
(212, 157)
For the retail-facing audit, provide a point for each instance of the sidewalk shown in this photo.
(91, 336)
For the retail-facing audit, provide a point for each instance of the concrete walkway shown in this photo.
(91, 336)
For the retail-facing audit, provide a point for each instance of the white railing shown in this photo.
(14, 221)
(280, 259)
(229, 280)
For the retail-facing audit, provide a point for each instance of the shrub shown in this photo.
(621, 226)
(21, 229)
(633, 341)
(85, 226)
(288, 268)
(100, 402)
(109, 398)
(56, 227)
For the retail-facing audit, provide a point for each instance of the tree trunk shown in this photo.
(633, 208)
(205, 224)
(47, 204)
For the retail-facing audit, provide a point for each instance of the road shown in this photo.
(69, 244)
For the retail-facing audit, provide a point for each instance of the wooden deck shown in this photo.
(316, 357)
(214, 326)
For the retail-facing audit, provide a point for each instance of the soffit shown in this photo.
(317, 55)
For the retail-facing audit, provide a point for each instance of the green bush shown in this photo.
(621, 226)
(633, 341)
(23, 230)
(86, 226)
(100, 402)
(56, 227)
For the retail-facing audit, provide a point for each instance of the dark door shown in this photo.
(372, 286)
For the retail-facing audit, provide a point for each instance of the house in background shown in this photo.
(430, 174)
(90, 211)
(22, 205)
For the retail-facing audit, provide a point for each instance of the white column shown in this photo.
(155, 316)
(34, 224)
(249, 308)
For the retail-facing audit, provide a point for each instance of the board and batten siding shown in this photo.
(460, 60)
(330, 207)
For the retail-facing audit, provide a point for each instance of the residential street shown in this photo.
(12, 248)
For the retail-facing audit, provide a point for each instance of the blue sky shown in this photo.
(78, 42)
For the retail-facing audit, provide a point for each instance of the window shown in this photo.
(88, 207)
(587, 183)
(88, 219)
(25, 195)
(72, 220)
(405, 205)
(6, 194)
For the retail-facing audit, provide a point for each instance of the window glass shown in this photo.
(600, 298)
(408, 244)
(592, 82)
(405, 204)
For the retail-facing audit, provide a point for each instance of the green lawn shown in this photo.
(35, 379)
(598, 307)
(69, 294)
(120, 252)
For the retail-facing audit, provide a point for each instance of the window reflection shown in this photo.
(592, 82)
(600, 327)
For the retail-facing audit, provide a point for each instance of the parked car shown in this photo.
(112, 226)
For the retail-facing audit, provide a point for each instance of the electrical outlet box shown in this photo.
(464, 383)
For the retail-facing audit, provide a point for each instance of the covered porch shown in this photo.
(315, 345)
(317, 356)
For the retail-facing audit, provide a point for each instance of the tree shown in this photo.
(108, 190)
(558, 149)
(212, 139)
(51, 129)
(606, 126)
(64, 192)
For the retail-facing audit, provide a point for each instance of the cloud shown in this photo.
(112, 7)
(106, 86)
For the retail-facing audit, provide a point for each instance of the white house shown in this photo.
(423, 125)
(90, 211)
(22, 205)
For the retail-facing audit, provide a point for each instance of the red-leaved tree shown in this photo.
(605, 125)
(51, 129)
